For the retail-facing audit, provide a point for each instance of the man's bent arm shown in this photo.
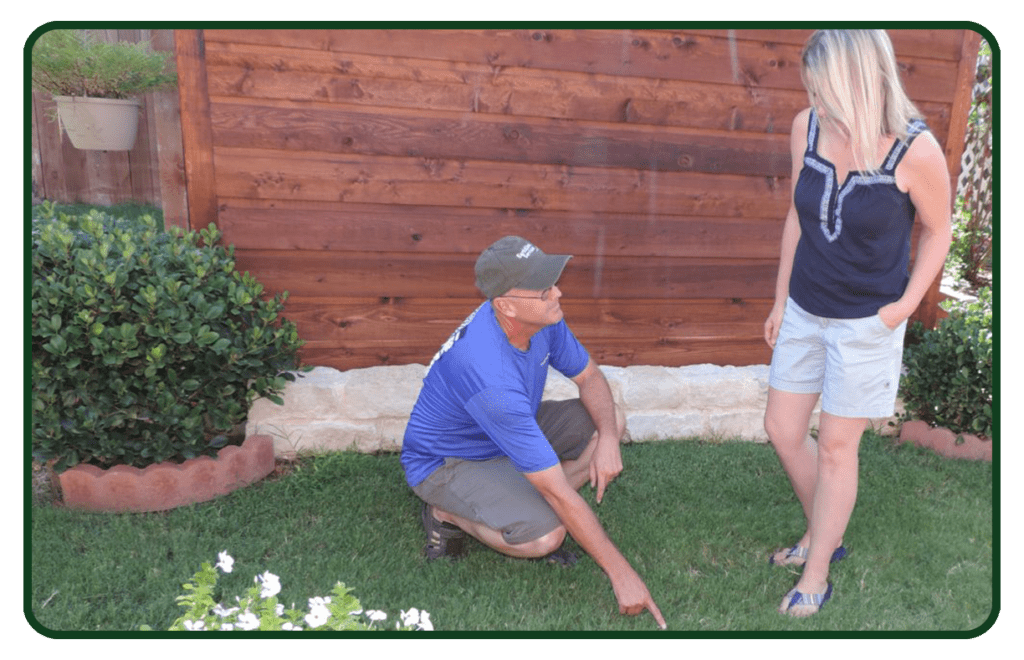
(596, 397)
(630, 591)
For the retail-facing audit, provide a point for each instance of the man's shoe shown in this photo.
(561, 557)
(443, 539)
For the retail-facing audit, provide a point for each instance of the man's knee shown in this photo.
(544, 545)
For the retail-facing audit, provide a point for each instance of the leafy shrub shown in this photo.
(75, 63)
(970, 252)
(949, 369)
(146, 345)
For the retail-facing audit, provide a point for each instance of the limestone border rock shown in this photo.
(367, 409)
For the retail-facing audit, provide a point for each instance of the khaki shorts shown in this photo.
(854, 363)
(495, 494)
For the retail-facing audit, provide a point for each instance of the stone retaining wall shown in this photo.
(367, 409)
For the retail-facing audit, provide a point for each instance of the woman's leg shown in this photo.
(832, 504)
(786, 421)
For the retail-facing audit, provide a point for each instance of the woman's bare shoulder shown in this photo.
(923, 166)
(801, 120)
(798, 133)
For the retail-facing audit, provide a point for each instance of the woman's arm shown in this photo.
(790, 230)
(923, 174)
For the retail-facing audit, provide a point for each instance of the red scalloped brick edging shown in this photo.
(163, 486)
(944, 441)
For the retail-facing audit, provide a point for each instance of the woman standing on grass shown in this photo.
(864, 165)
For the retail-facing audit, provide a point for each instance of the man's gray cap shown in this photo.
(513, 262)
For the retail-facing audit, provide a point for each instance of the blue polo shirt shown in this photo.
(481, 395)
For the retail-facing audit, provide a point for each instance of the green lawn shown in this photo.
(697, 520)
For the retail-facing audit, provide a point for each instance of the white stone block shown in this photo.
(381, 391)
(652, 388)
(645, 426)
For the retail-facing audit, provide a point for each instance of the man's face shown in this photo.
(540, 308)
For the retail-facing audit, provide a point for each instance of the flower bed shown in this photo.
(259, 608)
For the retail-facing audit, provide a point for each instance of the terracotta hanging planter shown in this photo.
(946, 442)
(167, 485)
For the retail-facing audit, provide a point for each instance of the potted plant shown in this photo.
(96, 85)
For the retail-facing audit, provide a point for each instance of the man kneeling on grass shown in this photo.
(488, 457)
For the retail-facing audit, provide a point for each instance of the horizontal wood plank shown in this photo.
(361, 319)
(250, 225)
(403, 275)
(938, 43)
(278, 175)
(735, 352)
(390, 132)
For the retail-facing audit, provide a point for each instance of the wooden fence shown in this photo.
(152, 172)
(364, 170)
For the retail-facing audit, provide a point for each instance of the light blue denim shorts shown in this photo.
(853, 363)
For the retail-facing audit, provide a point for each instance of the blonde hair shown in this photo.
(854, 83)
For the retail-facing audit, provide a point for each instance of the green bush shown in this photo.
(74, 63)
(948, 381)
(146, 345)
(970, 252)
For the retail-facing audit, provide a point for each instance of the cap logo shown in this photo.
(527, 250)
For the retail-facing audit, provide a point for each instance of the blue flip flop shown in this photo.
(800, 552)
(811, 600)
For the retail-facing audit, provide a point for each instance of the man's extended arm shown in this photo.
(630, 591)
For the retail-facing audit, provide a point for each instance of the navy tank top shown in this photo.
(854, 250)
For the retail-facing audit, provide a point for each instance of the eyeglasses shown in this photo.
(545, 295)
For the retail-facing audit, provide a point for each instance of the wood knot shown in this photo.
(685, 43)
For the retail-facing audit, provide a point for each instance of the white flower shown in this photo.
(223, 612)
(318, 615)
(225, 562)
(248, 621)
(288, 625)
(271, 584)
(279, 610)
(419, 619)
(195, 625)
(227, 626)
(319, 601)
(376, 615)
